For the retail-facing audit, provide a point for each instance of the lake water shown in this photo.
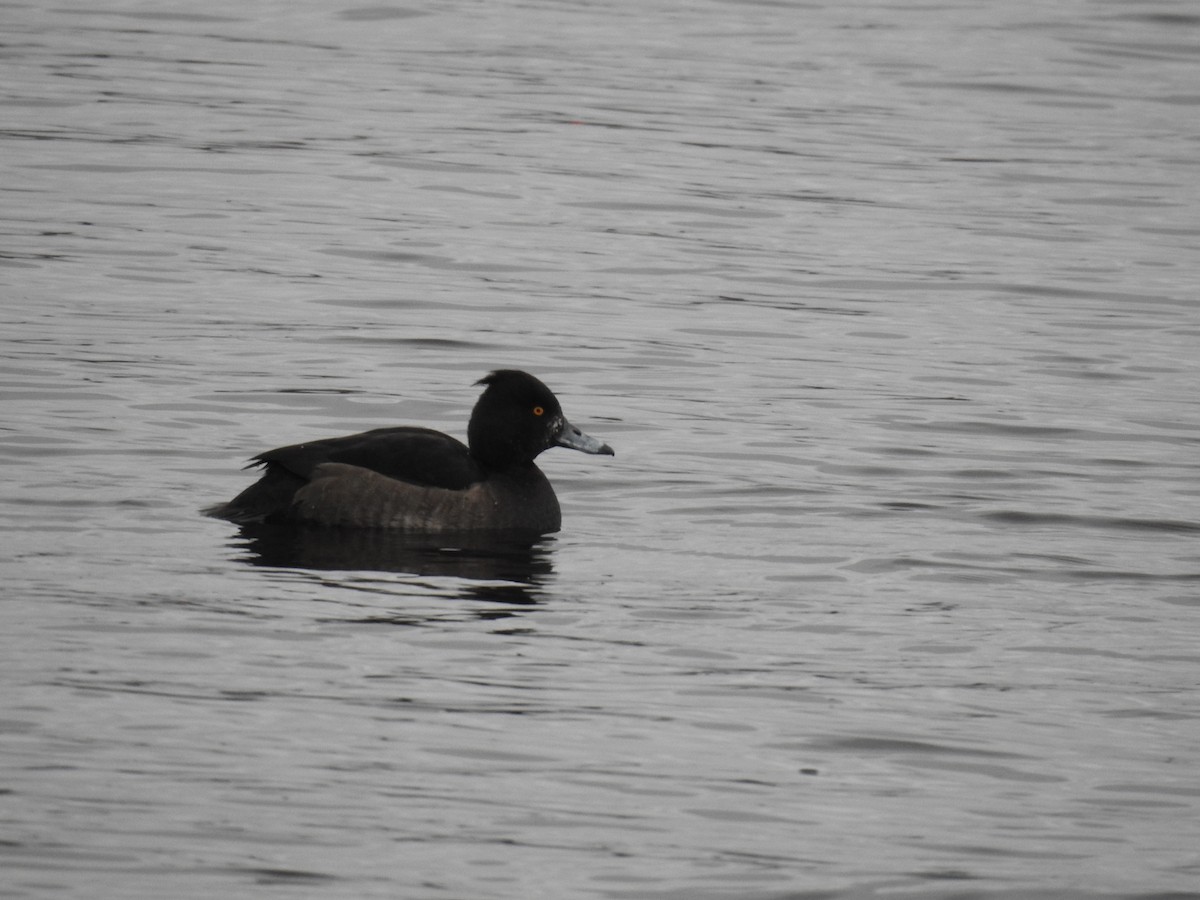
(889, 310)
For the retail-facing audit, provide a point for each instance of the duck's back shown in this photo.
(407, 453)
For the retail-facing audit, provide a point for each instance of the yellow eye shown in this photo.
(537, 411)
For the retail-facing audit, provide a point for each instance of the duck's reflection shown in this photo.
(496, 568)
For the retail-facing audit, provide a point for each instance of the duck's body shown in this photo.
(412, 479)
(420, 480)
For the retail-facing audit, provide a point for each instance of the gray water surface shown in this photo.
(888, 309)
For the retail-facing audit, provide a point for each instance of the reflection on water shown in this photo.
(521, 564)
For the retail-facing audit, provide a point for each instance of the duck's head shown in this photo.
(516, 418)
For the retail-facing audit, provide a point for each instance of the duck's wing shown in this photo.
(419, 456)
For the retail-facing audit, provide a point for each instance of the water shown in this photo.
(889, 311)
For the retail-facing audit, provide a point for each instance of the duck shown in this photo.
(417, 480)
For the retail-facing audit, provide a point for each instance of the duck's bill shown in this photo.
(572, 437)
